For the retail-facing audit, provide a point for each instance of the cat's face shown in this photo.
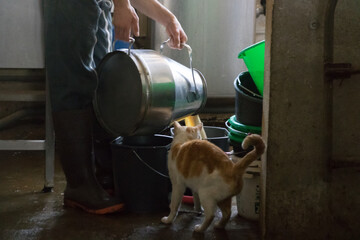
(186, 133)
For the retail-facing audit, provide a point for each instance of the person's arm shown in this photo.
(159, 13)
(125, 20)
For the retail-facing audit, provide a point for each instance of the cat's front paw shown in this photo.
(166, 220)
(198, 228)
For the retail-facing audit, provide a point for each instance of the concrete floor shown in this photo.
(27, 213)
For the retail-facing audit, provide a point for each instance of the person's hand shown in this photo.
(125, 20)
(176, 33)
(159, 13)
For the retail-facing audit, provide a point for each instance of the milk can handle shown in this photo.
(131, 43)
(193, 88)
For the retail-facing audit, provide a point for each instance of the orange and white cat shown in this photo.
(203, 167)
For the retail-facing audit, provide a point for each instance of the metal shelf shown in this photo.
(22, 145)
(47, 145)
(23, 96)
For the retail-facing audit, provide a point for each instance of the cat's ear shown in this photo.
(199, 126)
(177, 124)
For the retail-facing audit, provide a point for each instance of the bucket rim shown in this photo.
(115, 144)
(240, 87)
(218, 128)
(211, 127)
(247, 96)
(236, 125)
(237, 132)
(236, 138)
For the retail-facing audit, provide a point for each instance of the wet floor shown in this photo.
(27, 213)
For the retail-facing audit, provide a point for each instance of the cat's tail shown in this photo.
(259, 148)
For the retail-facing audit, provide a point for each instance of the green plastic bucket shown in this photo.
(234, 134)
(242, 127)
(236, 138)
(237, 134)
(238, 131)
(253, 57)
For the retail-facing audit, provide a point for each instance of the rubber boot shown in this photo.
(73, 131)
(103, 157)
(103, 164)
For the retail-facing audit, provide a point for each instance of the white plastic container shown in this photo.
(248, 201)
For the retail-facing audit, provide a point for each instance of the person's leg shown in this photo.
(104, 32)
(70, 38)
(102, 139)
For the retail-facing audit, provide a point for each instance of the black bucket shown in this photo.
(217, 135)
(140, 172)
(248, 104)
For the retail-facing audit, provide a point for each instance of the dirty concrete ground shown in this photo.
(27, 213)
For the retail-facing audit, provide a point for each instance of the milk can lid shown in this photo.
(117, 100)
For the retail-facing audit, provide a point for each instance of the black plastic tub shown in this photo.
(217, 135)
(248, 101)
(140, 172)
